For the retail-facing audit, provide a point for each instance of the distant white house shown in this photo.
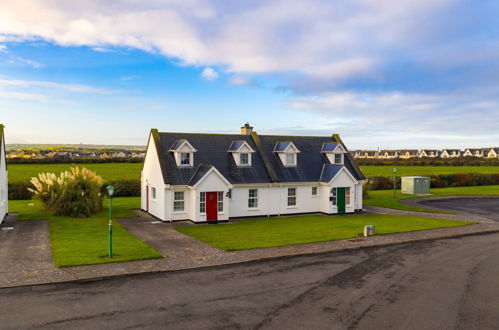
(474, 152)
(388, 154)
(4, 205)
(493, 153)
(430, 153)
(450, 153)
(215, 177)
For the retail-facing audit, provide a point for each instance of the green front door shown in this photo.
(341, 199)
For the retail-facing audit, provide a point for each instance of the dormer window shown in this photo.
(287, 152)
(334, 152)
(241, 153)
(185, 158)
(290, 159)
(183, 152)
(244, 158)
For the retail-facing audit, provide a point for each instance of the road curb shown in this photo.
(263, 259)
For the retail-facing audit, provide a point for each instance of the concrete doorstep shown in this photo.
(25, 255)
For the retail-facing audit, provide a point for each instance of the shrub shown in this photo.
(75, 193)
(124, 187)
(19, 190)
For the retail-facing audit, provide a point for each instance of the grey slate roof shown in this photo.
(329, 146)
(266, 165)
(281, 145)
(329, 171)
(234, 146)
(177, 144)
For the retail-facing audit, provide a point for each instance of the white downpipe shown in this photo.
(268, 200)
(279, 203)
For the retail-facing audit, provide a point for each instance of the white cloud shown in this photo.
(209, 74)
(75, 88)
(17, 59)
(130, 77)
(24, 96)
(327, 40)
(241, 81)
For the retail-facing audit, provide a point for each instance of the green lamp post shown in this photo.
(394, 183)
(110, 190)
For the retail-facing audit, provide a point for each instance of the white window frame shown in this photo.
(153, 193)
(334, 195)
(202, 202)
(255, 198)
(189, 155)
(182, 201)
(341, 158)
(220, 202)
(292, 197)
(248, 159)
(293, 158)
(348, 196)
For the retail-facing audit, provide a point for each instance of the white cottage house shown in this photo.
(216, 177)
(4, 207)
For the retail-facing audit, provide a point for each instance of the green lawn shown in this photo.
(263, 232)
(384, 198)
(84, 241)
(108, 171)
(426, 170)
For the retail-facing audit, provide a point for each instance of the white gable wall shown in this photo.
(4, 209)
(211, 182)
(343, 179)
(152, 177)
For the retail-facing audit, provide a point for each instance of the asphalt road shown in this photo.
(444, 284)
(486, 207)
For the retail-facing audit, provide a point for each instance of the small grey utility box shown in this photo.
(368, 230)
(415, 185)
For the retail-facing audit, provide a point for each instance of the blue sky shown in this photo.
(418, 73)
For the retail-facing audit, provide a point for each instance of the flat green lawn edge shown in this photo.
(84, 241)
(293, 230)
(384, 198)
(408, 170)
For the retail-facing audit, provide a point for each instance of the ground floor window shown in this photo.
(178, 201)
(252, 198)
(334, 196)
(314, 191)
(347, 196)
(220, 201)
(153, 193)
(202, 202)
(291, 196)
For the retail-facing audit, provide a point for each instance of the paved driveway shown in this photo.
(486, 207)
(444, 284)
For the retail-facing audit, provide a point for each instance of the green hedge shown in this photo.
(439, 181)
(124, 188)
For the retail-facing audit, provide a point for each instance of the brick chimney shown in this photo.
(246, 129)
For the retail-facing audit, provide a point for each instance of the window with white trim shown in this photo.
(290, 159)
(252, 198)
(178, 201)
(185, 158)
(337, 158)
(202, 202)
(334, 196)
(153, 193)
(244, 158)
(314, 191)
(347, 195)
(220, 201)
(291, 196)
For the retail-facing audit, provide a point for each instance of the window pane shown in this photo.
(314, 191)
(337, 158)
(244, 159)
(290, 159)
(179, 196)
(347, 196)
(185, 158)
(220, 201)
(252, 198)
(202, 202)
(178, 206)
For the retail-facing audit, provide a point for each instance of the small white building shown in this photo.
(450, 153)
(4, 204)
(215, 177)
(493, 153)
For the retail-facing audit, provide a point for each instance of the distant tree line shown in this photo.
(74, 160)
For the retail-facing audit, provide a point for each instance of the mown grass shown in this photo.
(263, 232)
(84, 241)
(387, 171)
(108, 171)
(384, 198)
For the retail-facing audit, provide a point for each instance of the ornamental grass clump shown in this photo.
(74, 193)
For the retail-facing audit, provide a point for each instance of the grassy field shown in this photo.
(108, 171)
(84, 241)
(384, 198)
(263, 232)
(426, 170)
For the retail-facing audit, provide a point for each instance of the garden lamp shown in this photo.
(110, 190)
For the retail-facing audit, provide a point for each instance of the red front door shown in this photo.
(211, 206)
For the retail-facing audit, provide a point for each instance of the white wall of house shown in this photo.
(4, 205)
(212, 182)
(153, 178)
